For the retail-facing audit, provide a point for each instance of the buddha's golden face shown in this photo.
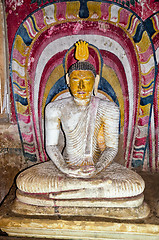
(81, 83)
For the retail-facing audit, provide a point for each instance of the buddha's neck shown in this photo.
(82, 102)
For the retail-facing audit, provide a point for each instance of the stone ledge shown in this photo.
(77, 229)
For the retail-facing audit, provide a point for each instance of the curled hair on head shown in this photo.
(82, 66)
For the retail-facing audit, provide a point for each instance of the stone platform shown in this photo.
(80, 227)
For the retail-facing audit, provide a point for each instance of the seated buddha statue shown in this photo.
(84, 180)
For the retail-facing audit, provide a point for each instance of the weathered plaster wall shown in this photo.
(10, 145)
(10, 156)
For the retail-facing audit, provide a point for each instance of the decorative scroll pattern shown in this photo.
(128, 53)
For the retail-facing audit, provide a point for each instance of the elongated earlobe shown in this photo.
(67, 80)
(96, 84)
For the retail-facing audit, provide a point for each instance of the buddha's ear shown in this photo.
(67, 79)
(96, 84)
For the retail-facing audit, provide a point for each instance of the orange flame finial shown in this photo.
(82, 52)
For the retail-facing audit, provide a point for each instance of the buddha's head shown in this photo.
(81, 77)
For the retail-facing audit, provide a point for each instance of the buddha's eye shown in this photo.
(75, 79)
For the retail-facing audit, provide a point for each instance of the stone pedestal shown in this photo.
(104, 212)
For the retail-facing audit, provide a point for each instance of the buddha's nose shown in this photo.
(81, 84)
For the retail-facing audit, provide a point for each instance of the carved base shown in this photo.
(106, 212)
(76, 228)
(79, 227)
(49, 200)
(82, 225)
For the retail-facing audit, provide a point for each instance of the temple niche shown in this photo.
(100, 178)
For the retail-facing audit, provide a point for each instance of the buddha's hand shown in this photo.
(83, 172)
(87, 171)
(99, 167)
(106, 158)
(87, 168)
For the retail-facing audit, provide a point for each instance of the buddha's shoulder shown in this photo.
(59, 104)
(110, 106)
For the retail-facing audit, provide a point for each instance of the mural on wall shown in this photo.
(40, 36)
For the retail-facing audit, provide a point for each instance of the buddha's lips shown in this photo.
(81, 92)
